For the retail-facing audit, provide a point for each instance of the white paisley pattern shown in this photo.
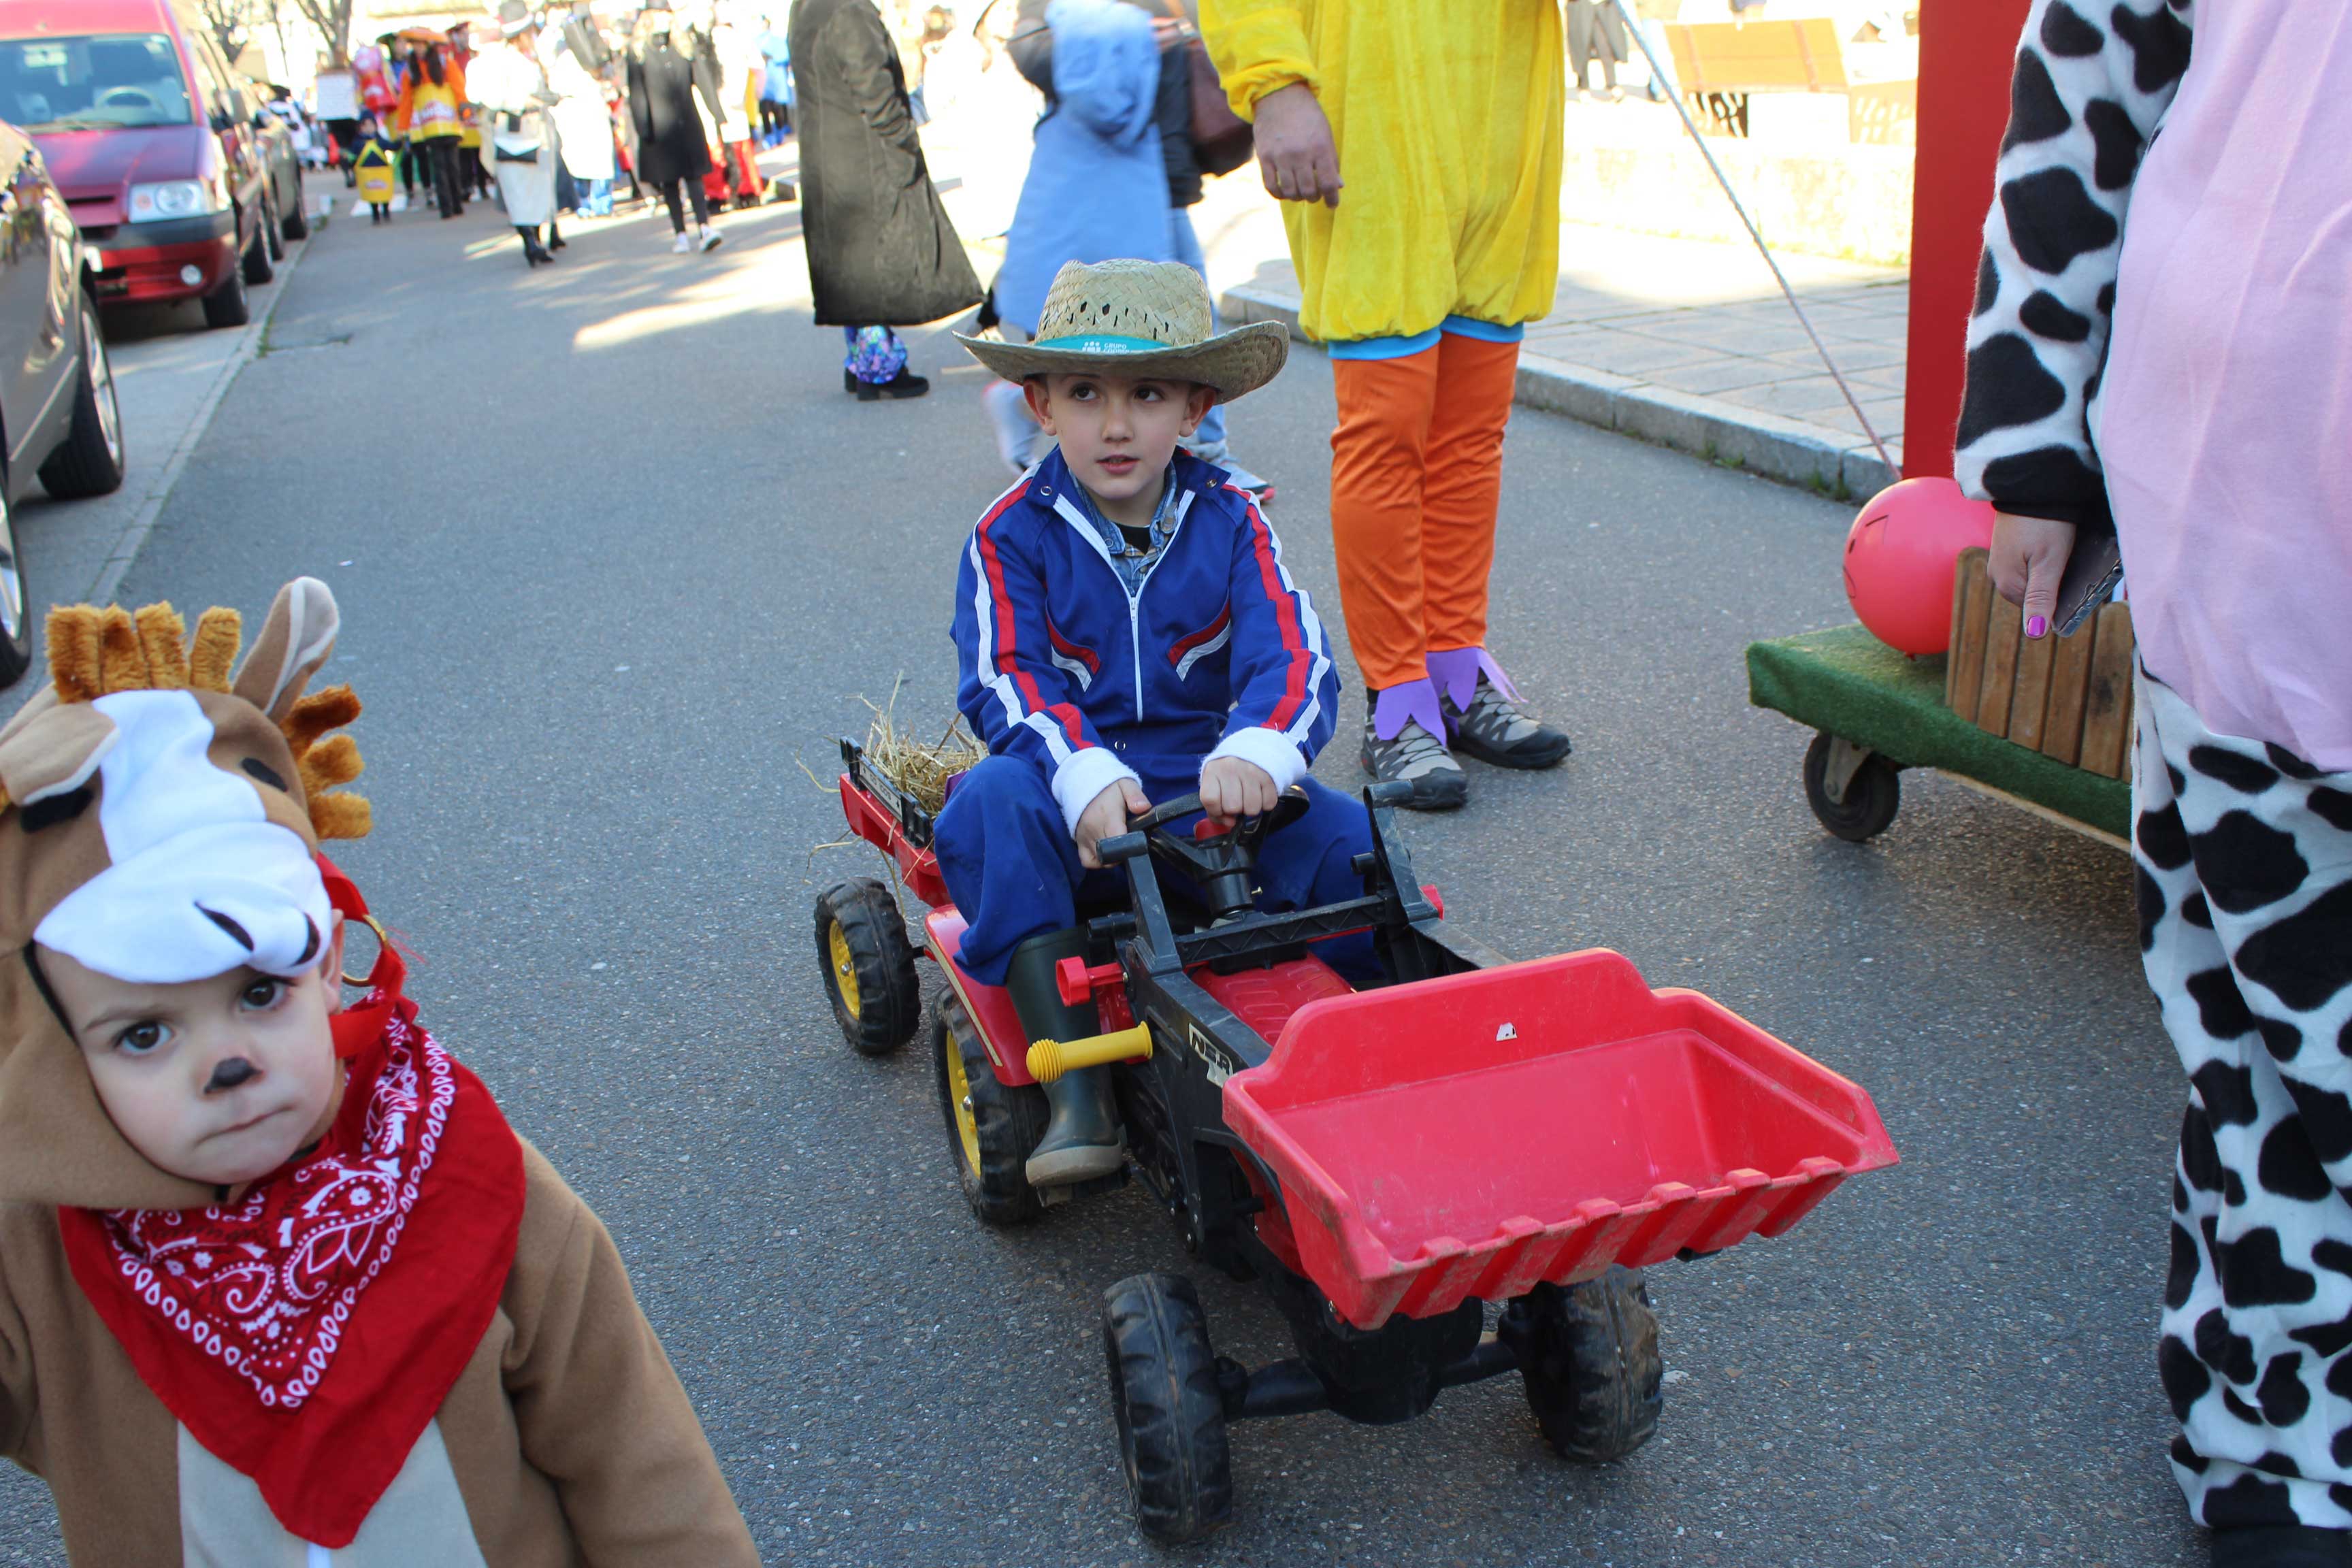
(265, 1286)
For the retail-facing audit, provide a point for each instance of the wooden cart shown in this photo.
(2043, 724)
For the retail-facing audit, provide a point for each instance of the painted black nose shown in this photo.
(230, 1073)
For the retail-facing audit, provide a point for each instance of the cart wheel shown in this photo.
(1588, 1355)
(869, 967)
(992, 1126)
(1171, 1420)
(1870, 797)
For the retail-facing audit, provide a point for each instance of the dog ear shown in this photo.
(295, 641)
(54, 753)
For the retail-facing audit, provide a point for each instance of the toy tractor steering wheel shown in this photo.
(1219, 863)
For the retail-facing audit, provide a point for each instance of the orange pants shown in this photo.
(1416, 473)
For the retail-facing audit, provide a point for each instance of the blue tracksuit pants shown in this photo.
(1014, 870)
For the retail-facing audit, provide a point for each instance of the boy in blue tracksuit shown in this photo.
(1126, 633)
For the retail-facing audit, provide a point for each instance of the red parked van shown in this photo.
(152, 137)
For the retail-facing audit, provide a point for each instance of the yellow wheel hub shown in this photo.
(959, 1095)
(844, 968)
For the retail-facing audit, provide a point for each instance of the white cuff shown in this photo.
(1256, 744)
(1086, 775)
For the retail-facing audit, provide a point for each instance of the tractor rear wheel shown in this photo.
(869, 966)
(1588, 1355)
(1171, 1419)
(992, 1126)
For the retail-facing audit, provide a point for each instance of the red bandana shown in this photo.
(308, 1334)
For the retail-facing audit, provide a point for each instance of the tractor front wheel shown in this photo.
(1171, 1419)
(992, 1126)
(1588, 1355)
(869, 966)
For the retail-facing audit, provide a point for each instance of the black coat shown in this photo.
(881, 251)
(662, 83)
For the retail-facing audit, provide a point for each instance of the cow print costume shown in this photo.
(2244, 871)
(2090, 92)
(2244, 850)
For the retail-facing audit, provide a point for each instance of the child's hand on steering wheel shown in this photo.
(1231, 789)
(1106, 817)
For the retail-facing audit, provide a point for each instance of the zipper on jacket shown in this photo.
(1135, 600)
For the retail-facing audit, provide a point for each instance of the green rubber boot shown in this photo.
(1082, 1139)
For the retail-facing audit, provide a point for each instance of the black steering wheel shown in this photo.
(1288, 807)
(1220, 864)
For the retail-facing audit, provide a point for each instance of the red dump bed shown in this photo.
(1471, 1135)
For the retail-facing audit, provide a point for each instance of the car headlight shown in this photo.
(176, 198)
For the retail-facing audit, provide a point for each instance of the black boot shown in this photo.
(555, 241)
(906, 383)
(1082, 1140)
(2282, 1546)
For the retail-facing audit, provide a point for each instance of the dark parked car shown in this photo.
(58, 416)
(153, 139)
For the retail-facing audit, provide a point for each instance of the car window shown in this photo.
(217, 81)
(96, 82)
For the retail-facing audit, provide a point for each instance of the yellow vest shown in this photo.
(1447, 116)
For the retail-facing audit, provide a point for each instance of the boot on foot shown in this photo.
(906, 383)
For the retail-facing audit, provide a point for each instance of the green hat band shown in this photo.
(1107, 343)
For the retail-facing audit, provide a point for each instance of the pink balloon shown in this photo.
(1899, 557)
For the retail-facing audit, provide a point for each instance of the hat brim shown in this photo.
(1232, 364)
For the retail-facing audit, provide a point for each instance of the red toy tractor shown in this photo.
(1386, 1161)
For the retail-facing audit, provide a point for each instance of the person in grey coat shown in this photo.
(882, 252)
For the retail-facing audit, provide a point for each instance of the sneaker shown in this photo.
(1499, 730)
(682, 243)
(709, 240)
(1414, 756)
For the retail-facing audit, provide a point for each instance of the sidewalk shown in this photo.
(1689, 344)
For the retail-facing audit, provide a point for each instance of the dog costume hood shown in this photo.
(161, 822)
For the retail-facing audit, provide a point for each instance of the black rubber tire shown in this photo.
(273, 236)
(1870, 799)
(87, 463)
(228, 306)
(16, 642)
(259, 267)
(1008, 1121)
(294, 225)
(1171, 1420)
(1589, 1357)
(889, 998)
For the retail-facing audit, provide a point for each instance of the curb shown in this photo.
(1788, 450)
(133, 537)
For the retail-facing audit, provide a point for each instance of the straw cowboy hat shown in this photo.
(1138, 319)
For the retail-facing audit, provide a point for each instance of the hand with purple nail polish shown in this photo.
(2028, 557)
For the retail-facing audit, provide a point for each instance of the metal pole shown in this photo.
(1658, 73)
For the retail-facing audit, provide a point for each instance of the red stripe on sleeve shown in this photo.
(1008, 661)
(1302, 658)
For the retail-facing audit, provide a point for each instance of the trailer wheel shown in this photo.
(1171, 1420)
(869, 966)
(992, 1126)
(1588, 1356)
(1867, 802)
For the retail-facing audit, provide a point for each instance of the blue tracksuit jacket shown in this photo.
(1218, 654)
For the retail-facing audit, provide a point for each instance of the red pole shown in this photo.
(1966, 50)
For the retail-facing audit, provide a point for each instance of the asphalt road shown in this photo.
(617, 556)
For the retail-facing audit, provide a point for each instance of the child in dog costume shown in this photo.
(277, 1283)
(1127, 632)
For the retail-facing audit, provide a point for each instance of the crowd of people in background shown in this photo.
(672, 104)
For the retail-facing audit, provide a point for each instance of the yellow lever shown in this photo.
(1049, 1060)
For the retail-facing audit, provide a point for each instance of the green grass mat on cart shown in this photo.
(1845, 682)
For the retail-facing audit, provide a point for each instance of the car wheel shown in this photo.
(295, 223)
(258, 267)
(16, 619)
(272, 233)
(90, 460)
(228, 306)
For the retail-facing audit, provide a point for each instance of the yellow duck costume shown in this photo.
(1446, 116)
